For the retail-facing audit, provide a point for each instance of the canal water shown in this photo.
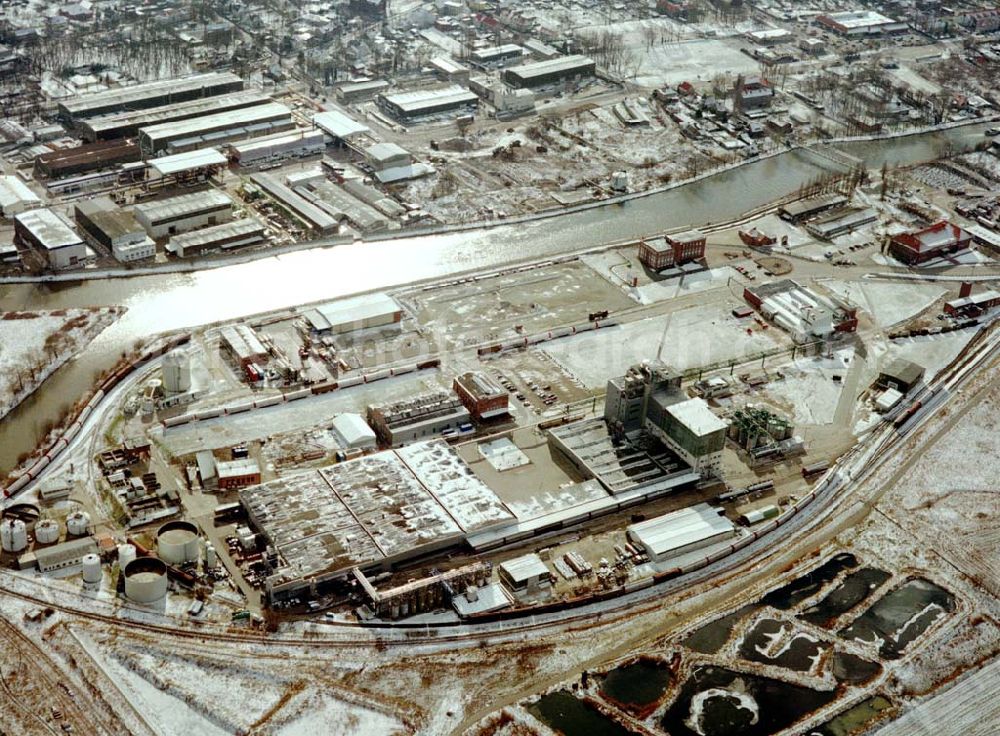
(638, 685)
(567, 714)
(159, 303)
(900, 617)
(719, 702)
(805, 586)
(853, 590)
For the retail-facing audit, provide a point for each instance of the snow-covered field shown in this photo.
(34, 344)
(691, 338)
(808, 389)
(659, 291)
(888, 303)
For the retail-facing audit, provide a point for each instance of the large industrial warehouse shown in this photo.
(549, 71)
(128, 123)
(223, 127)
(150, 94)
(47, 232)
(186, 212)
(370, 513)
(424, 103)
(356, 313)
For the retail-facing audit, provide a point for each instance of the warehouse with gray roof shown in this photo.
(150, 94)
(186, 212)
(410, 106)
(127, 123)
(215, 129)
(549, 71)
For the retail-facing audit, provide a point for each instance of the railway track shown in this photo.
(55, 691)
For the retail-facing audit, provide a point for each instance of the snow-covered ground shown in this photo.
(888, 303)
(691, 338)
(659, 291)
(808, 390)
(33, 345)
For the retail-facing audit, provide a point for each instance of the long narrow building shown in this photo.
(150, 94)
(215, 129)
(127, 124)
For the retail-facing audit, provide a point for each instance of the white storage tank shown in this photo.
(177, 371)
(92, 569)
(47, 531)
(126, 553)
(145, 580)
(78, 523)
(211, 560)
(177, 542)
(13, 535)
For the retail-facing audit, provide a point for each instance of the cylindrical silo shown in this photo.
(176, 371)
(145, 580)
(126, 553)
(78, 523)
(211, 560)
(177, 542)
(13, 535)
(92, 569)
(47, 531)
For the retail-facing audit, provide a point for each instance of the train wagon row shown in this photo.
(107, 384)
(519, 343)
(316, 390)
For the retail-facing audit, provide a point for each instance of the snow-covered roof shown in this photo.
(338, 125)
(352, 430)
(49, 229)
(13, 191)
(179, 162)
(524, 568)
(697, 417)
(679, 529)
(353, 311)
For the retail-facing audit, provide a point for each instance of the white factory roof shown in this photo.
(447, 65)
(266, 142)
(403, 173)
(355, 310)
(13, 191)
(352, 430)
(231, 118)
(888, 399)
(859, 19)
(184, 205)
(236, 468)
(339, 125)
(419, 99)
(178, 162)
(696, 416)
(680, 529)
(769, 34)
(51, 230)
(524, 568)
(984, 296)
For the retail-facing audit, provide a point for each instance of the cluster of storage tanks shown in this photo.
(145, 578)
(14, 532)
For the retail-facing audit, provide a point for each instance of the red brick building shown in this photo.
(937, 240)
(237, 473)
(482, 396)
(672, 250)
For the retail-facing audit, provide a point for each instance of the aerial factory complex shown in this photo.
(475, 368)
